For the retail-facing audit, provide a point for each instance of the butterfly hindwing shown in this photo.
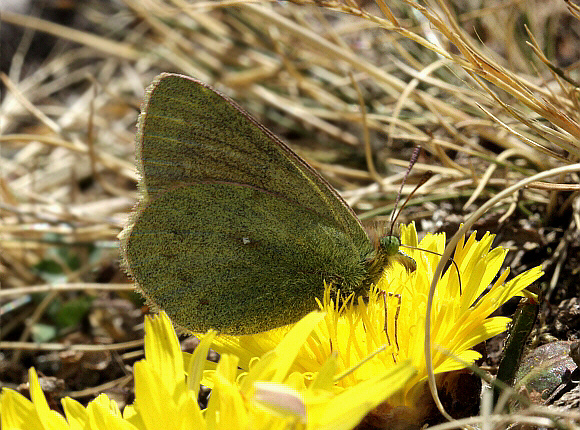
(210, 253)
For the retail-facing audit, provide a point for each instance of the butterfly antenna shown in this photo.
(424, 178)
(412, 161)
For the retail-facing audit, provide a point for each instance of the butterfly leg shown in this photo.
(397, 312)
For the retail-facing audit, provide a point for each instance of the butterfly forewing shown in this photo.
(190, 133)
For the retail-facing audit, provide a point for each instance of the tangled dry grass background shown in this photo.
(489, 91)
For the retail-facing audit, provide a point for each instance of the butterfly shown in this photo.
(233, 230)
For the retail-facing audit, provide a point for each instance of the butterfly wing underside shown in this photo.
(233, 230)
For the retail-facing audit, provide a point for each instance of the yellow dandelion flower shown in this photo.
(294, 399)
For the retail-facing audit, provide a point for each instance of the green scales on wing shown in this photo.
(233, 230)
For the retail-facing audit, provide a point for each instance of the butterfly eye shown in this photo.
(389, 244)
